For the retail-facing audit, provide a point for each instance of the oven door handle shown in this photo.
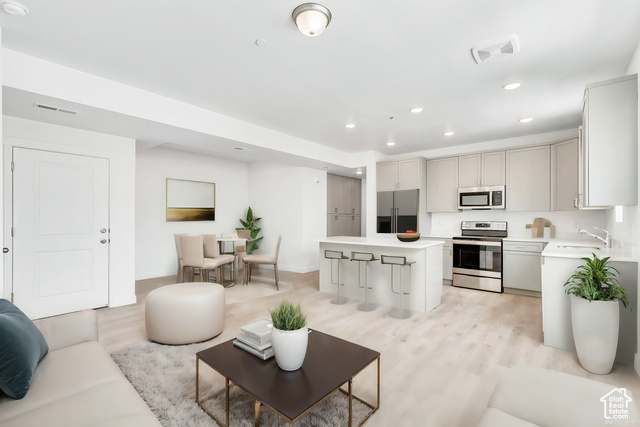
(476, 243)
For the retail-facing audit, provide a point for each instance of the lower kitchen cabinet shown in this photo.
(521, 266)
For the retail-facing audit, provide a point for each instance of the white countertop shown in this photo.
(384, 241)
(585, 249)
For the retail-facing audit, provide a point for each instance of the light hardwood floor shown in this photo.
(438, 369)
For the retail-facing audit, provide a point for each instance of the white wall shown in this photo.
(121, 155)
(291, 202)
(155, 247)
(628, 231)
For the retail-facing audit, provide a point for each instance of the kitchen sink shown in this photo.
(578, 247)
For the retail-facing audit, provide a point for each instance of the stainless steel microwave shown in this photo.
(492, 197)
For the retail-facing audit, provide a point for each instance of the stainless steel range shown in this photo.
(477, 255)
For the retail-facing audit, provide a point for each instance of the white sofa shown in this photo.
(528, 397)
(76, 383)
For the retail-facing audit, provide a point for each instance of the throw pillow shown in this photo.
(23, 346)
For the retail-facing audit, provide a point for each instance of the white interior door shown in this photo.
(60, 232)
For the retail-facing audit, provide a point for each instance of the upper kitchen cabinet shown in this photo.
(400, 175)
(481, 169)
(609, 155)
(528, 179)
(442, 185)
(564, 175)
(343, 195)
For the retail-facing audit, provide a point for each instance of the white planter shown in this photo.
(595, 332)
(290, 347)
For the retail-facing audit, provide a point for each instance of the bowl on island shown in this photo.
(409, 236)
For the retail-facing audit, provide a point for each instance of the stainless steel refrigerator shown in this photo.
(397, 211)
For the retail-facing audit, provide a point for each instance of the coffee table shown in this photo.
(329, 364)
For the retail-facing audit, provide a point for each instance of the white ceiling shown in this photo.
(376, 60)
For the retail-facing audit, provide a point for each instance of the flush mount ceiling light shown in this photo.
(417, 110)
(448, 133)
(511, 86)
(359, 171)
(391, 143)
(311, 18)
(349, 125)
(526, 120)
(14, 8)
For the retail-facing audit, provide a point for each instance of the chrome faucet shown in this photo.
(606, 239)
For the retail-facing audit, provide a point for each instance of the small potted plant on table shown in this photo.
(595, 313)
(289, 335)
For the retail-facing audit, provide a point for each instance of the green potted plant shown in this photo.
(250, 224)
(595, 313)
(289, 335)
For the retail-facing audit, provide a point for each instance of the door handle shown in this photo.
(5, 250)
(103, 230)
(103, 241)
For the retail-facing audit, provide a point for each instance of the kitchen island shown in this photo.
(559, 261)
(423, 279)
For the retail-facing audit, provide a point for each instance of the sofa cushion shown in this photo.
(62, 374)
(493, 417)
(23, 346)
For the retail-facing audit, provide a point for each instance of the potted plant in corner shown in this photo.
(289, 335)
(250, 231)
(594, 290)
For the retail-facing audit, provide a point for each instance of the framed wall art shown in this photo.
(190, 200)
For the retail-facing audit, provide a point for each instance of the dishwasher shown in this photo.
(521, 267)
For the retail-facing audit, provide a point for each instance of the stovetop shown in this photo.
(485, 230)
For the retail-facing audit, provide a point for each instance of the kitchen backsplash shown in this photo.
(567, 222)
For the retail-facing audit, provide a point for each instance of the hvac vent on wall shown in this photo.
(496, 49)
(52, 108)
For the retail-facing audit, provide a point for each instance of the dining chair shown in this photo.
(212, 251)
(250, 260)
(179, 254)
(193, 256)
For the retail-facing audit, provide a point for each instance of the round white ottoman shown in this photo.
(185, 313)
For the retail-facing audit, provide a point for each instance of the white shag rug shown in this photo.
(165, 378)
(258, 287)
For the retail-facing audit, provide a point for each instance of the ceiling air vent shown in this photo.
(496, 49)
(52, 108)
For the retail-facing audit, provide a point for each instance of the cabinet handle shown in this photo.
(353, 218)
(336, 217)
(575, 203)
(353, 210)
(336, 210)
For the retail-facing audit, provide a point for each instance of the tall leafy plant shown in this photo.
(596, 281)
(250, 223)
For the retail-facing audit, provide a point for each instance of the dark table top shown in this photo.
(329, 363)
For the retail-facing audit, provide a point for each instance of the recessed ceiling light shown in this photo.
(511, 86)
(261, 42)
(14, 8)
(448, 133)
(350, 125)
(417, 110)
(391, 143)
(526, 120)
(359, 171)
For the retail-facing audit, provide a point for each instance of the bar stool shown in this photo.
(364, 257)
(336, 255)
(393, 260)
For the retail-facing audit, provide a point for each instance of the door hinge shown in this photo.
(11, 231)
(12, 297)
(13, 166)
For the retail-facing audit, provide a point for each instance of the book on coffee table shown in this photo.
(258, 331)
(250, 341)
(265, 354)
